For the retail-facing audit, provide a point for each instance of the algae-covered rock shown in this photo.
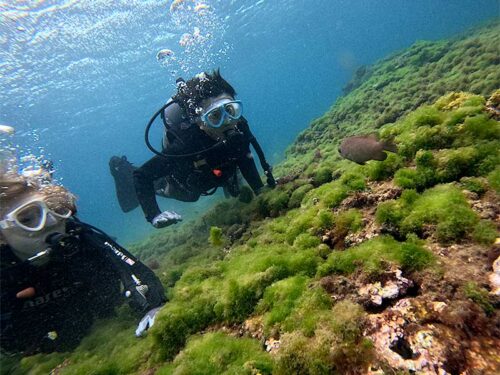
(394, 286)
(389, 267)
(494, 278)
(421, 336)
(493, 105)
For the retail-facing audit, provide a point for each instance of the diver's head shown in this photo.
(30, 213)
(208, 100)
(219, 114)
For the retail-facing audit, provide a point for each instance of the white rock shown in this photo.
(494, 278)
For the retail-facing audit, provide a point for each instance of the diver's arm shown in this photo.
(248, 169)
(144, 178)
(142, 286)
(243, 126)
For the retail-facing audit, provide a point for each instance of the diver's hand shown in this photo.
(165, 219)
(147, 321)
(271, 182)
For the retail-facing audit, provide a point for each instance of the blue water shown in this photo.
(80, 79)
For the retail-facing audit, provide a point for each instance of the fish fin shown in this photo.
(380, 156)
(390, 146)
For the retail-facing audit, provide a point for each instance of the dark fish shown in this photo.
(361, 148)
(122, 171)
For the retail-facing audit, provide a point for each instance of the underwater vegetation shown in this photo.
(383, 93)
(381, 267)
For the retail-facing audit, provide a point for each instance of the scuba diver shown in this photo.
(206, 141)
(58, 274)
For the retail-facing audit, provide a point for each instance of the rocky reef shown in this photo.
(392, 267)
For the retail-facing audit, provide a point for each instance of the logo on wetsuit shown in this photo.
(55, 294)
(122, 256)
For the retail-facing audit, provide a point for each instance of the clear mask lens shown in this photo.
(216, 116)
(233, 110)
(61, 212)
(30, 217)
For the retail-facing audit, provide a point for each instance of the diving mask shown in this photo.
(216, 115)
(32, 216)
(27, 227)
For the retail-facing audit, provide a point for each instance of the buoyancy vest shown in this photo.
(215, 162)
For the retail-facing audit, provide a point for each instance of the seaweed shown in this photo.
(264, 255)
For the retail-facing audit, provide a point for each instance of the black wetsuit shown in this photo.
(82, 281)
(189, 177)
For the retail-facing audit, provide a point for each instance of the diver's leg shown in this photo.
(144, 178)
(232, 186)
(169, 188)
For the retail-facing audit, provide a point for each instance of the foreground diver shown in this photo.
(59, 274)
(206, 141)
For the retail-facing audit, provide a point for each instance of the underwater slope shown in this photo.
(378, 268)
(384, 92)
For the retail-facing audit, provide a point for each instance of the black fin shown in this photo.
(122, 171)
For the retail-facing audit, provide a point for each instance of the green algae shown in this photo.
(485, 232)
(494, 179)
(217, 353)
(272, 269)
(215, 238)
(374, 255)
(443, 207)
(298, 195)
(337, 345)
(480, 296)
(394, 89)
(280, 299)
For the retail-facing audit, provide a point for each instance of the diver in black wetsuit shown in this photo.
(59, 274)
(206, 140)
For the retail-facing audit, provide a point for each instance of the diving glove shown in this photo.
(147, 321)
(268, 171)
(165, 219)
